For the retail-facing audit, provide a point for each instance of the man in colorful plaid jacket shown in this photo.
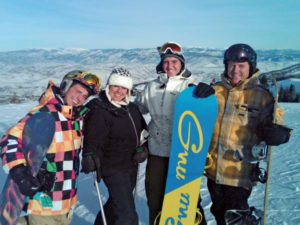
(245, 112)
(52, 195)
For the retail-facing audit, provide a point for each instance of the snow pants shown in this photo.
(120, 208)
(155, 181)
(226, 197)
(39, 220)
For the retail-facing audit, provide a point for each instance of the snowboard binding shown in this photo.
(259, 174)
(251, 216)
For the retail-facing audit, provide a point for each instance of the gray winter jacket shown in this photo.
(158, 99)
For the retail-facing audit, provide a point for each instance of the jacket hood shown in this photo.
(125, 101)
(159, 67)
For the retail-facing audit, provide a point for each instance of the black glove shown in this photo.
(46, 179)
(203, 90)
(91, 162)
(27, 183)
(141, 154)
(273, 134)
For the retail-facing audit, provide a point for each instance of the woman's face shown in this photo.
(117, 93)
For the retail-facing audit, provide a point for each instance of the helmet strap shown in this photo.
(65, 86)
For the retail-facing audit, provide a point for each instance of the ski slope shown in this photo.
(284, 186)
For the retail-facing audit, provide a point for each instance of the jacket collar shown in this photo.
(242, 85)
(52, 97)
(107, 105)
(163, 77)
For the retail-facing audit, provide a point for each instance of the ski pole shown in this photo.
(99, 198)
(270, 153)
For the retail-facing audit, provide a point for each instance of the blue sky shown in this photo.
(99, 24)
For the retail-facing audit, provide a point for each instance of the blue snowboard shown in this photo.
(37, 137)
(193, 124)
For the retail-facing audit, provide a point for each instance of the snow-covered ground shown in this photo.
(284, 188)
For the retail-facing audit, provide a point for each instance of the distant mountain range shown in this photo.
(285, 73)
(25, 73)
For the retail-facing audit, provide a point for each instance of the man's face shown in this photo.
(76, 95)
(238, 71)
(117, 93)
(171, 66)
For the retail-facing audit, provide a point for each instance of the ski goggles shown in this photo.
(171, 46)
(91, 80)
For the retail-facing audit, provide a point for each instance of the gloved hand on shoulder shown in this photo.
(27, 183)
(91, 162)
(203, 90)
(141, 153)
(273, 134)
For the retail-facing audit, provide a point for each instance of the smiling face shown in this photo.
(117, 93)
(238, 71)
(76, 95)
(171, 66)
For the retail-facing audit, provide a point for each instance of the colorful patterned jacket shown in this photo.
(62, 157)
(240, 110)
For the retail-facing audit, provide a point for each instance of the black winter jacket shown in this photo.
(113, 134)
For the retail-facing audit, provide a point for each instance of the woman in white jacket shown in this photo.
(158, 99)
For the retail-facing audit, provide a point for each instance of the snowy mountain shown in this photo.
(288, 72)
(25, 73)
(291, 72)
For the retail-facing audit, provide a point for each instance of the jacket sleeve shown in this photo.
(142, 121)
(279, 115)
(11, 146)
(95, 131)
(266, 118)
(142, 100)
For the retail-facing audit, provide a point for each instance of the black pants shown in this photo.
(226, 197)
(156, 176)
(120, 208)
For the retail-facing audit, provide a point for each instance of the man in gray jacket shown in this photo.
(158, 99)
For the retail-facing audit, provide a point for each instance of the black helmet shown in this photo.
(241, 53)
